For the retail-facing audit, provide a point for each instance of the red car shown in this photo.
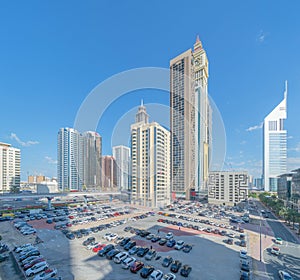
(71, 217)
(98, 247)
(138, 265)
(160, 220)
(31, 264)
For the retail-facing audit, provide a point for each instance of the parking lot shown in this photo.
(210, 257)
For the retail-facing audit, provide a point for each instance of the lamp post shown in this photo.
(260, 237)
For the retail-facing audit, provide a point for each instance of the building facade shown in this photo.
(10, 168)
(92, 153)
(150, 162)
(275, 145)
(227, 187)
(70, 168)
(122, 157)
(109, 173)
(190, 122)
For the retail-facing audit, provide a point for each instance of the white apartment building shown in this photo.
(10, 168)
(150, 162)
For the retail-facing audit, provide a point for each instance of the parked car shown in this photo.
(179, 245)
(111, 254)
(243, 254)
(167, 261)
(187, 248)
(284, 275)
(185, 271)
(70, 236)
(89, 241)
(243, 243)
(169, 276)
(162, 242)
(146, 271)
(128, 262)
(29, 259)
(169, 235)
(137, 265)
(120, 257)
(98, 247)
(156, 275)
(142, 252)
(155, 239)
(47, 274)
(39, 267)
(112, 237)
(171, 243)
(129, 245)
(125, 241)
(150, 236)
(150, 255)
(20, 248)
(29, 254)
(176, 266)
(33, 262)
(105, 250)
(134, 250)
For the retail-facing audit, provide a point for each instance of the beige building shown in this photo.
(150, 162)
(36, 179)
(190, 122)
(10, 168)
(227, 187)
(109, 173)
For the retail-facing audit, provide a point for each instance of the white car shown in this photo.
(243, 254)
(169, 276)
(30, 231)
(120, 257)
(106, 235)
(49, 273)
(23, 247)
(275, 251)
(169, 236)
(111, 237)
(91, 246)
(179, 245)
(30, 259)
(279, 241)
(39, 267)
(128, 262)
(156, 275)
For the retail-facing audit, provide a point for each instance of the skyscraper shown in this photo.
(92, 153)
(70, 169)
(10, 168)
(275, 145)
(150, 162)
(122, 157)
(190, 122)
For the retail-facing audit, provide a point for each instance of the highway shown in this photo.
(289, 258)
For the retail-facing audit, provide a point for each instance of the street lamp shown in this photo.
(260, 237)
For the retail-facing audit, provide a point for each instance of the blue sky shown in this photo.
(53, 53)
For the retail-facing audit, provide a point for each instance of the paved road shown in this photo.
(289, 259)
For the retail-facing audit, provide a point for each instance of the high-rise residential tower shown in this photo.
(10, 168)
(275, 145)
(150, 162)
(92, 153)
(109, 173)
(70, 169)
(122, 158)
(190, 122)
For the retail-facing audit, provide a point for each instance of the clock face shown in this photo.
(197, 62)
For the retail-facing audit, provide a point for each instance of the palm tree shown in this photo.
(283, 213)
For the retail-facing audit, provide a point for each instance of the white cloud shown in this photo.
(290, 137)
(243, 142)
(51, 160)
(296, 149)
(22, 143)
(256, 127)
(261, 37)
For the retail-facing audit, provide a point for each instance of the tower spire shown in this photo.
(286, 89)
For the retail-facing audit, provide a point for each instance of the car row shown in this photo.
(33, 263)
